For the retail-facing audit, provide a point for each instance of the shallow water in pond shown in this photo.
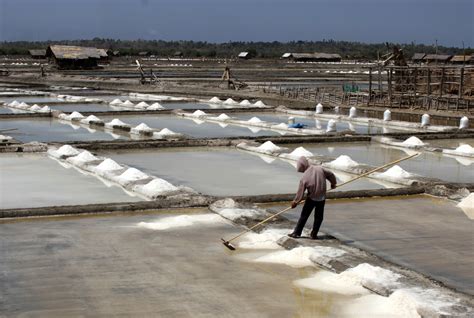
(428, 164)
(31, 99)
(318, 123)
(7, 110)
(68, 108)
(223, 171)
(196, 106)
(48, 129)
(194, 128)
(35, 180)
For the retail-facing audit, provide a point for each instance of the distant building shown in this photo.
(75, 57)
(244, 55)
(461, 59)
(143, 53)
(436, 58)
(418, 58)
(312, 57)
(38, 54)
(178, 54)
(111, 52)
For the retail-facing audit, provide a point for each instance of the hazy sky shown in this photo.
(421, 21)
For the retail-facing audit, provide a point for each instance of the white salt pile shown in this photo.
(331, 126)
(163, 133)
(467, 205)
(142, 105)
(82, 158)
(215, 100)
(222, 117)
(3, 137)
(108, 165)
(259, 104)
(331, 282)
(230, 101)
(254, 120)
(366, 274)
(15, 103)
(199, 113)
(24, 105)
(269, 146)
(91, 118)
(413, 142)
(45, 109)
(396, 172)
(234, 214)
(173, 222)
(130, 175)
(301, 152)
(116, 102)
(116, 122)
(465, 149)
(155, 187)
(75, 116)
(155, 106)
(128, 103)
(141, 128)
(297, 257)
(319, 108)
(64, 151)
(264, 240)
(343, 161)
(245, 102)
(35, 108)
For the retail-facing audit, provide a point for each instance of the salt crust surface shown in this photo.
(179, 221)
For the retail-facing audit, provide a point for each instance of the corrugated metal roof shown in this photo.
(461, 58)
(243, 54)
(286, 55)
(321, 56)
(436, 57)
(38, 52)
(418, 56)
(76, 52)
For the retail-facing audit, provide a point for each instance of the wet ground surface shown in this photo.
(318, 123)
(450, 143)
(428, 164)
(194, 128)
(109, 266)
(35, 180)
(429, 235)
(49, 129)
(223, 171)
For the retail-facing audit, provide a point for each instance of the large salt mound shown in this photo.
(141, 128)
(343, 161)
(116, 102)
(259, 104)
(215, 100)
(155, 188)
(467, 205)
(164, 132)
(35, 108)
(116, 122)
(364, 274)
(155, 106)
(254, 120)
(24, 105)
(130, 175)
(142, 105)
(108, 165)
(15, 103)
(301, 152)
(413, 142)
(222, 117)
(74, 116)
(199, 113)
(182, 221)
(396, 172)
(128, 103)
(67, 150)
(82, 158)
(465, 149)
(230, 101)
(91, 118)
(45, 109)
(3, 137)
(269, 146)
(245, 102)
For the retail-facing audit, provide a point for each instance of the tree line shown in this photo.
(348, 50)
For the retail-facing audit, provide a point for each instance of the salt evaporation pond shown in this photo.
(7, 110)
(48, 129)
(319, 123)
(223, 171)
(119, 268)
(450, 143)
(191, 105)
(428, 164)
(32, 99)
(86, 107)
(35, 180)
(194, 128)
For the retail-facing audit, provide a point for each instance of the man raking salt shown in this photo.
(314, 182)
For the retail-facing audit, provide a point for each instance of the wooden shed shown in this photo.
(37, 53)
(75, 57)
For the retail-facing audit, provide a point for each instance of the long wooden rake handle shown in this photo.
(340, 185)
